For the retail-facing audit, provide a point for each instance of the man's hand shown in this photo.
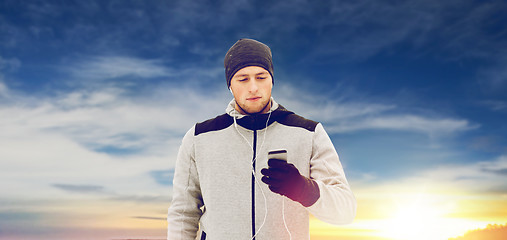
(284, 178)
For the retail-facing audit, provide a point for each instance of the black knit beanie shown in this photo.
(244, 53)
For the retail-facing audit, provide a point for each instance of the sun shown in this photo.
(420, 217)
(412, 222)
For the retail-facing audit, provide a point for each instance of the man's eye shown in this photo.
(261, 78)
(243, 79)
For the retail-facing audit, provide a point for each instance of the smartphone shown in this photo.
(278, 154)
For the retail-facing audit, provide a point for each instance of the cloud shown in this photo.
(110, 118)
(347, 113)
(492, 231)
(19, 216)
(115, 67)
(3, 88)
(356, 31)
(484, 170)
(163, 177)
(11, 64)
(75, 138)
(405, 122)
(353, 34)
(493, 80)
(494, 105)
(489, 143)
(481, 177)
(7, 65)
(13, 222)
(472, 28)
(111, 195)
(150, 218)
(142, 198)
(498, 167)
(79, 188)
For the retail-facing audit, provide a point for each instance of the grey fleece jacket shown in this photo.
(216, 196)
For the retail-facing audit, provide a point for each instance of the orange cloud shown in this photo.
(491, 232)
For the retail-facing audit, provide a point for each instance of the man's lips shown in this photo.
(253, 98)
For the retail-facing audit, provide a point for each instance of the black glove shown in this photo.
(284, 178)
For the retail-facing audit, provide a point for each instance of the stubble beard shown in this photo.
(266, 105)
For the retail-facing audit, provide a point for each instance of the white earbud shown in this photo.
(231, 91)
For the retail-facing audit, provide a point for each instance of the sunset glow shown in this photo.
(416, 216)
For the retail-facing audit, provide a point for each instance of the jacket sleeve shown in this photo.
(185, 210)
(337, 204)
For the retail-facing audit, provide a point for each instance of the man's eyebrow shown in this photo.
(244, 75)
(240, 75)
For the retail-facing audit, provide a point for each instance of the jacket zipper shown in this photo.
(254, 145)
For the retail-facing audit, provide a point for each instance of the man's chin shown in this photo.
(254, 110)
(251, 111)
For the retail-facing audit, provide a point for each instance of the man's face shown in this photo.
(251, 87)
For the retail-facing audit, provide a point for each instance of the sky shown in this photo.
(95, 97)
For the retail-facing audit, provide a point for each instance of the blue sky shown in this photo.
(96, 95)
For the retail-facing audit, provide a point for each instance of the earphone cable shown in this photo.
(253, 171)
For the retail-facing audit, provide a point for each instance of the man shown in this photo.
(225, 187)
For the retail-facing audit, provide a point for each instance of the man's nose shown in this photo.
(253, 86)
